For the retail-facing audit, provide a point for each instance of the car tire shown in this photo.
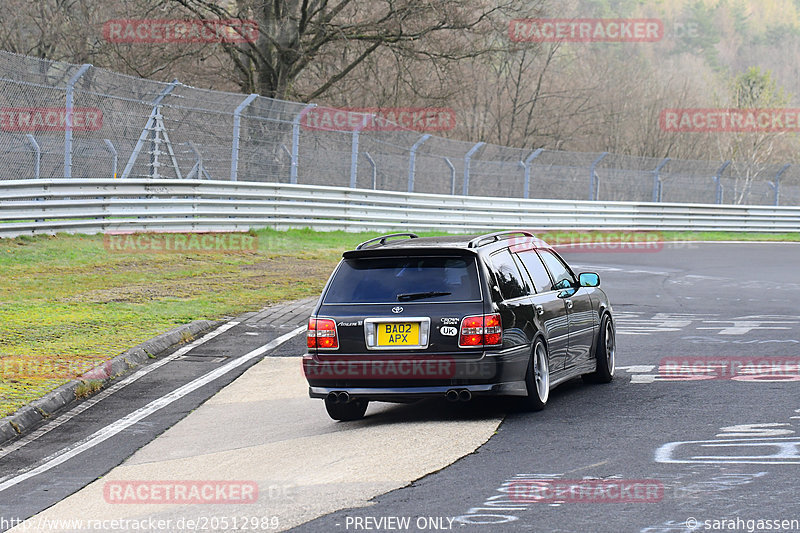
(604, 353)
(345, 412)
(537, 377)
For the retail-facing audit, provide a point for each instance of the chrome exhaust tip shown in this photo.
(343, 397)
(333, 397)
(451, 395)
(464, 395)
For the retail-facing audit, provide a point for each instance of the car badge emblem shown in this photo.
(397, 309)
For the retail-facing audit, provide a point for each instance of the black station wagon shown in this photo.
(404, 318)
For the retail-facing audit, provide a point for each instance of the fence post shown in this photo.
(114, 156)
(354, 151)
(412, 160)
(594, 179)
(776, 185)
(467, 159)
(374, 170)
(68, 119)
(237, 118)
(145, 131)
(296, 141)
(38, 154)
(527, 165)
(452, 175)
(657, 180)
(718, 183)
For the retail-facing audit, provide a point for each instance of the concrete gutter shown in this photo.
(32, 414)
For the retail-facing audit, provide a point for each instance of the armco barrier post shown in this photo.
(526, 193)
(412, 160)
(467, 159)
(594, 179)
(718, 182)
(68, 119)
(237, 118)
(657, 180)
(296, 142)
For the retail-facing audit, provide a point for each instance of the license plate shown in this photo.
(398, 334)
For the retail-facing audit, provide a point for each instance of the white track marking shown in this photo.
(75, 411)
(114, 428)
(637, 368)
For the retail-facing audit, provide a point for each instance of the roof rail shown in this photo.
(382, 240)
(494, 237)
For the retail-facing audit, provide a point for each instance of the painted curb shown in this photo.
(30, 415)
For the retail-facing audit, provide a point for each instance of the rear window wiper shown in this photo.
(420, 295)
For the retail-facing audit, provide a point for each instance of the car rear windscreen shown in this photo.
(405, 279)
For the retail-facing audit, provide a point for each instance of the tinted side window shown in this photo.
(534, 266)
(556, 267)
(509, 278)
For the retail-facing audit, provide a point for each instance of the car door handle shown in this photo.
(539, 310)
(569, 304)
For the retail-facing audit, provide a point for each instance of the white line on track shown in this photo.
(72, 413)
(109, 431)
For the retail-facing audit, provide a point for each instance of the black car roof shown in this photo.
(471, 244)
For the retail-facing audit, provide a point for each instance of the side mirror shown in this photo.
(588, 279)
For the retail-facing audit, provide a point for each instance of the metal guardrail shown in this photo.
(135, 205)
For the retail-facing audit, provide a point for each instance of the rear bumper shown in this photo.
(397, 378)
(408, 394)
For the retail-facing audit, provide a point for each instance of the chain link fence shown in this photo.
(124, 127)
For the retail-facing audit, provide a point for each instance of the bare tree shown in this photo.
(297, 35)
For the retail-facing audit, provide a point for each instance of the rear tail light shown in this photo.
(322, 334)
(481, 330)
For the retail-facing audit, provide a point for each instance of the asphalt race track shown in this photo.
(698, 432)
